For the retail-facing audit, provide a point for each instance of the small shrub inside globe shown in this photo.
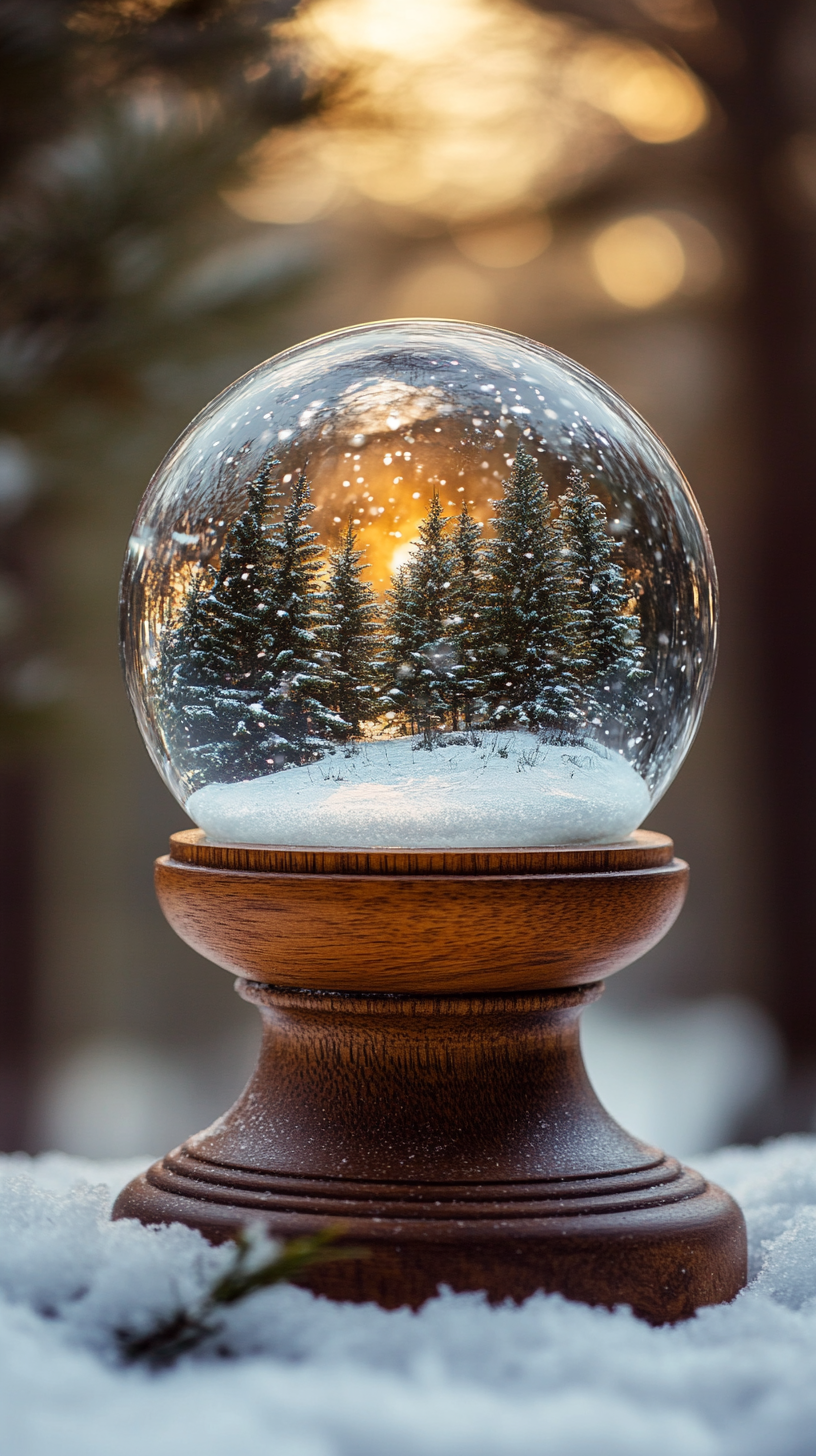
(418, 584)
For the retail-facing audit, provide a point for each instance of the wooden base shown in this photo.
(421, 920)
(456, 1136)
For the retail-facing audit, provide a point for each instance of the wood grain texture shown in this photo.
(641, 851)
(459, 1139)
(403, 931)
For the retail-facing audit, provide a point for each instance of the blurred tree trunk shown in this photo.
(18, 953)
(765, 109)
(768, 95)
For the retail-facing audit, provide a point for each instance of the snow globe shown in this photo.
(420, 585)
(418, 622)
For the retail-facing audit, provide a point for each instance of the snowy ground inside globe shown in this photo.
(497, 790)
(303, 1377)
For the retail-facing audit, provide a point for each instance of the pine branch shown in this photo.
(258, 1263)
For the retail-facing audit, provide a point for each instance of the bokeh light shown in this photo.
(652, 98)
(639, 261)
(505, 245)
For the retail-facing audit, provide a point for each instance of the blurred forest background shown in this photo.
(187, 188)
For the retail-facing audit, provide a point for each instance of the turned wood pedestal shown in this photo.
(421, 1083)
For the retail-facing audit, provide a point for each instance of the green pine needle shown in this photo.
(258, 1263)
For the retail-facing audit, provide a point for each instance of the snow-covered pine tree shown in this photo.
(182, 709)
(397, 675)
(526, 662)
(466, 623)
(180, 642)
(295, 683)
(607, 650)
(420, 661)
(213, 657)
(350, 637)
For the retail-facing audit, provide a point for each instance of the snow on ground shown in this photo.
(310, 1378)
(500, 791)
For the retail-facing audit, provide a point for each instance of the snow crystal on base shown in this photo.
(496, 790)
(310, 1378)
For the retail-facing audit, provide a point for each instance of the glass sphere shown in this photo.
(418, 584)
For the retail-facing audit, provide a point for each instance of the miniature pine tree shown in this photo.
(350, 635)
(213, 658)
(466, 624)
(182, 636)
(295, 682)
(237, 610)
(526, 659)
(607, 649)
(176, 688)
(421, 663)
(243, 671)
(399, 699)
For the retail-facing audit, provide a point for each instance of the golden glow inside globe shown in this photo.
(418, 583)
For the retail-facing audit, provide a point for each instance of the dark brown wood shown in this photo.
(403, 922)
(456, 1136)
(460, 1140)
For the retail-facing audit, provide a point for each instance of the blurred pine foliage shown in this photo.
(121, 121)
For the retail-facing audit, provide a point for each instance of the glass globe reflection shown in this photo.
(420, 584)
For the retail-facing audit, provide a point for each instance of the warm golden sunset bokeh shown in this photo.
(462, 111)
(385, 488)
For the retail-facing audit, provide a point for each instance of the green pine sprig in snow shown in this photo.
(257, 1263)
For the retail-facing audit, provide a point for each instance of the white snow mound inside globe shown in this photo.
(509, 790)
